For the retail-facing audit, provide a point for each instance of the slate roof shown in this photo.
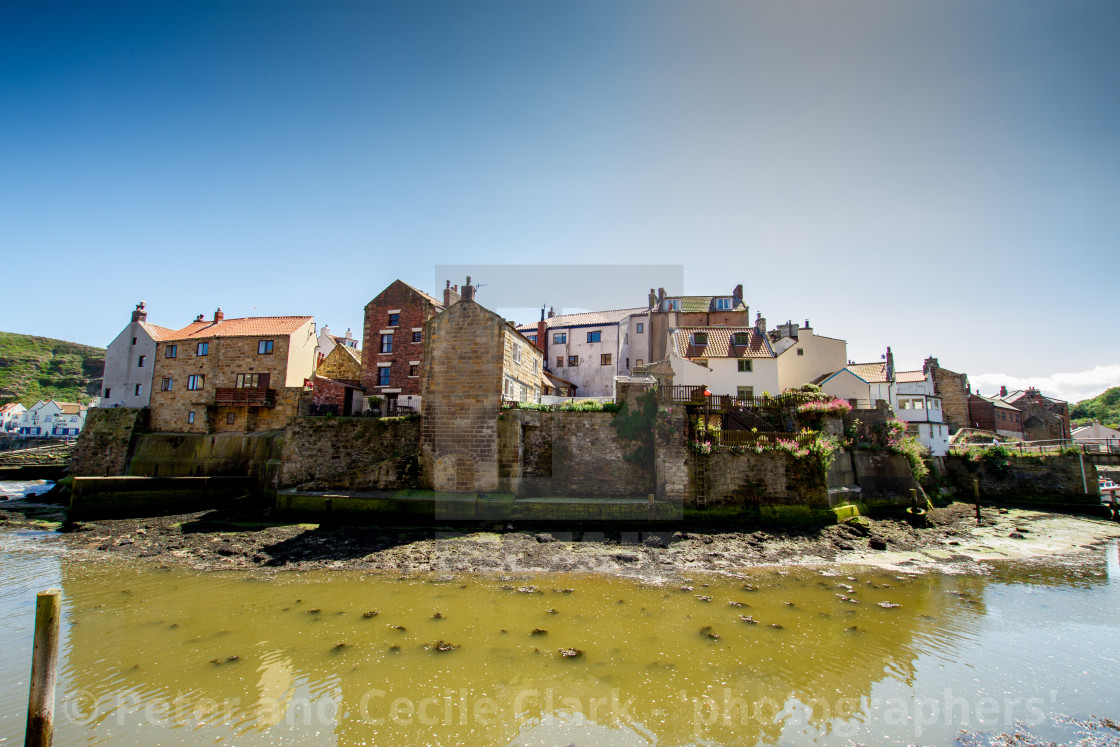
(251, 326)
(614, 316)
(996, 401)
(720, 343)
(1019, 394)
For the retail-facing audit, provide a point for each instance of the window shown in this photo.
(723, 304)
(387, 343)
(605, 359)
(140, 361)
(741, 338)
(516, 353)
(595, 336)
(627, 364)
(413, 370)
(247, 381)
(203, 348)
(383, 376)
(133, 340)
(573, 360)
(745, 366)
(171, 351)
(264, 347)
(108, 393)
(639, 362)
(919, 404)
(699, 338)
(701, 362)
(165, 385)
(801, 351)
(935, 404)
(394, 320)
(673, 304)
(531, 338)
(195, 381)
(559, 362)
(230, 418)
(560, 338)
(417, 336)
(139, 389)
(904, 404)
(641, 328)
(745, 392)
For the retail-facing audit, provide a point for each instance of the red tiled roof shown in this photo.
(251, 326)
(614, 316)
(720, 343)
(157, 332)
(872, 373)
(909, 377)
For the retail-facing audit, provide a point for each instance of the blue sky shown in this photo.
(937, 176)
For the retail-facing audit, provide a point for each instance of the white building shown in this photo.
(51, 419)
(326, 343)
(587, 349)
(804, 356)
(1095, 433)
(130, 360)
(10, 415)
(732, 361)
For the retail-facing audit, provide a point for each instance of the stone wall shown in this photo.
(1026, 479)
(768, 479)
(883, 477)
(104, 443)
(256, 455)
(569, 454)
(953, 389)
(351, 453)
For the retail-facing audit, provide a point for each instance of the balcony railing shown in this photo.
(232, 397)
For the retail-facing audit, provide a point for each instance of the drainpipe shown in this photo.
(1084, 480)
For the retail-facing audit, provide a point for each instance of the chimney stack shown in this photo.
(450, 294)
(542, 335)
(760, 323)
(468, 291)
(1002, 390)
(140, 313)
(200, 317)
(890, 365)
(551, 313)
(218, 315)
(737, 295)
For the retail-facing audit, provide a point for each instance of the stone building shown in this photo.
(393, 343)
(472, 360)
(328, 341)
(130, 360)
(953, 389)
(1044, 417)
(666, 313)
(242, 375)
(337, 386)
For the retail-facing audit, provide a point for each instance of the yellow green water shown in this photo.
(174, 657)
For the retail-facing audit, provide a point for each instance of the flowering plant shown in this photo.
(824, 407)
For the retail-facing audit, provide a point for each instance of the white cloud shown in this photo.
(1071, 387)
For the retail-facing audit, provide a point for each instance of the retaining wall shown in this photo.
(351, 453)
(1027, 479)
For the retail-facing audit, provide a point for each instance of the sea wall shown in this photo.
(119, 497)
(351, 453)
(1054, 479)
(255, 455)
(773, 478)
(106, 440)
(883, 477)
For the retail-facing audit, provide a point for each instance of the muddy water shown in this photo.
(833, 655)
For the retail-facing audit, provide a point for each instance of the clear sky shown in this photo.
(939, 176)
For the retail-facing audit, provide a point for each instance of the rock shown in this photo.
(654, 541)
(626, 557)
(1017, 535)
(545, 538)
(878, 543)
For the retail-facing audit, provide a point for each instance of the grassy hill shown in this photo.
(1104, 408)
(34, 368)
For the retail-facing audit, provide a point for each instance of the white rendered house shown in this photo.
(129, 362)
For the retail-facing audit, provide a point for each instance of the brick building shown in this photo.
(242, 375)
(393, 342)
(993, 414)
(337, 386)
(472, 359)
(1044, 417)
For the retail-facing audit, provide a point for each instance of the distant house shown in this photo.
(1095, 433)
(586, 349)
(10, 415)
(1044, 418)
(920, 408)
(862, 384)
(802, 355)
(327, 342)
(51, 419)
(393, 344)
(242, 375)
(993, 414)
(130, 362)
(337, 386)
(664, 314)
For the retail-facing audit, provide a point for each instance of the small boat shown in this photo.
(1110, 490)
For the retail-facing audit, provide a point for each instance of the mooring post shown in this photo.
(651, 510)
(44, 664)
(976, 492)
(914, 499)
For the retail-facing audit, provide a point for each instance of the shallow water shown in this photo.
(170, 656)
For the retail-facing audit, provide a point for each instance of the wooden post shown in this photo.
(651, 511)
(976, 492)
(914, 499)
(44, 665)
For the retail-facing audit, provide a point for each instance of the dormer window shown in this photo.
(672, 304)
(723, 304)
(741, 338)
(699, 338)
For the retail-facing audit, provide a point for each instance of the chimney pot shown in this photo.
(468, 290)
(218, 315)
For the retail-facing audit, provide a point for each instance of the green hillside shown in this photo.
(34, 368)
(1104, 408)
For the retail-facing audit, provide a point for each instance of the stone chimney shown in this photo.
(890, 365)
(760, 323)
(349, 334)
(652, 299)
(468, 291)
(551, 312)
(218, 315)
(929, 364)
(737, 295)
(1002, 390)
(450, 294)
(140, 313)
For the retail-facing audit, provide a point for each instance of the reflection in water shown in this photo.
(799, 656)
